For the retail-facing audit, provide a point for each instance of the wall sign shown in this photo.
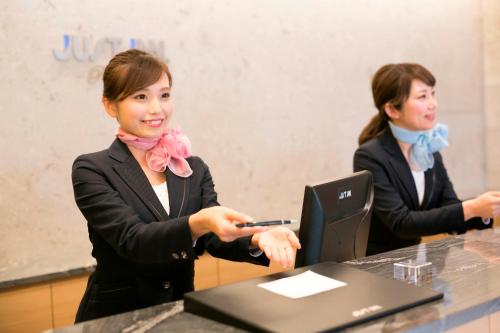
(86, 49)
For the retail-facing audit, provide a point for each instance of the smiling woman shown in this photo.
(150, 206)
(400, 146)
(146, 112)
(418, 113)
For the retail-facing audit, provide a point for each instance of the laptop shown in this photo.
(364, 296)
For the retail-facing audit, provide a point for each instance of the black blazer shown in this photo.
(144, 255)
(398, 220)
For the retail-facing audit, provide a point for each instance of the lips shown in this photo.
(153, 122)
(430, 117)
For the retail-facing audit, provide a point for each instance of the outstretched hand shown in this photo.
(279, 244)
(221, 221)
(487, 205)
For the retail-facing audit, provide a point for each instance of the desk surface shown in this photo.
(466, 269)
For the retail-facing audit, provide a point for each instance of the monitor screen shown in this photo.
(335, 220)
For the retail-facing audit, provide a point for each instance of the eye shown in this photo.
(140, 96)
(165, 95)
(422, 97)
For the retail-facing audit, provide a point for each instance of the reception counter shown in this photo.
(466, 269)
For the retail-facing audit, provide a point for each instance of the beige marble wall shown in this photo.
(491, 49)
(272, 93)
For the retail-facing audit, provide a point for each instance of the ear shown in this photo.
(391, 111)
(111, 107)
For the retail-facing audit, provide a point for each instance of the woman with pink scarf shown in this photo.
(150, 205)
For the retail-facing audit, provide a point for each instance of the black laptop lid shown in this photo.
(365, 297)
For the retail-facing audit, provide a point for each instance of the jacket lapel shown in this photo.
(131, 173)
(178, 193)
(400, 166)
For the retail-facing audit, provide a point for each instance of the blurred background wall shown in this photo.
(491, 47)
(273, 95)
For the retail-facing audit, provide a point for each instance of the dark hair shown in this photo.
(392, 84)
(130, 71)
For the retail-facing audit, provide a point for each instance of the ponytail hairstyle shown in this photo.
(130, 71)
(392, 84)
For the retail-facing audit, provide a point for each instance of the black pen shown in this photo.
(264, 223)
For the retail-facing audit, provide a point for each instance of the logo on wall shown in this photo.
(85, 49)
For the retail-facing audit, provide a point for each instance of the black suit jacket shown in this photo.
(144, 255)
(398, 220)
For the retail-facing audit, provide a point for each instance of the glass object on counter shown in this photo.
(413, 271)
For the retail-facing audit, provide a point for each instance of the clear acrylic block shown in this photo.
(413, 271)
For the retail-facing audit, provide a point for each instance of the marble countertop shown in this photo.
(466, 269)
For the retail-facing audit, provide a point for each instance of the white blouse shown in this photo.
(419, 178)
(161, 191)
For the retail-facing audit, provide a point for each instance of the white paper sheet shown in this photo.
(302, 285)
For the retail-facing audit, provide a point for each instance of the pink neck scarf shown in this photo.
(168, 150)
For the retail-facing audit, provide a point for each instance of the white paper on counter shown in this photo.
(302, 285)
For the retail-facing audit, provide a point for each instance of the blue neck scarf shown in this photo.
(424, 144)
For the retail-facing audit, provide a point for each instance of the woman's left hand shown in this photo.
(279, 244)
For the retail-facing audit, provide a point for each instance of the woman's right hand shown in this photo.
(221, 221)
(487, 205)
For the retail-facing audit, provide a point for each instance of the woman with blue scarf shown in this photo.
(413, 195)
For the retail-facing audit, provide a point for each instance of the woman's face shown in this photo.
(146, 112)
(418, 112)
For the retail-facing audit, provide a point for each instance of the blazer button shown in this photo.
(165, 285)
(184, 255)
(175, 256)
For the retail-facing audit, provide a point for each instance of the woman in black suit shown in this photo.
(151, 207)
(400, 146)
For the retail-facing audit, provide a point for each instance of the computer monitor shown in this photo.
(335, 220)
